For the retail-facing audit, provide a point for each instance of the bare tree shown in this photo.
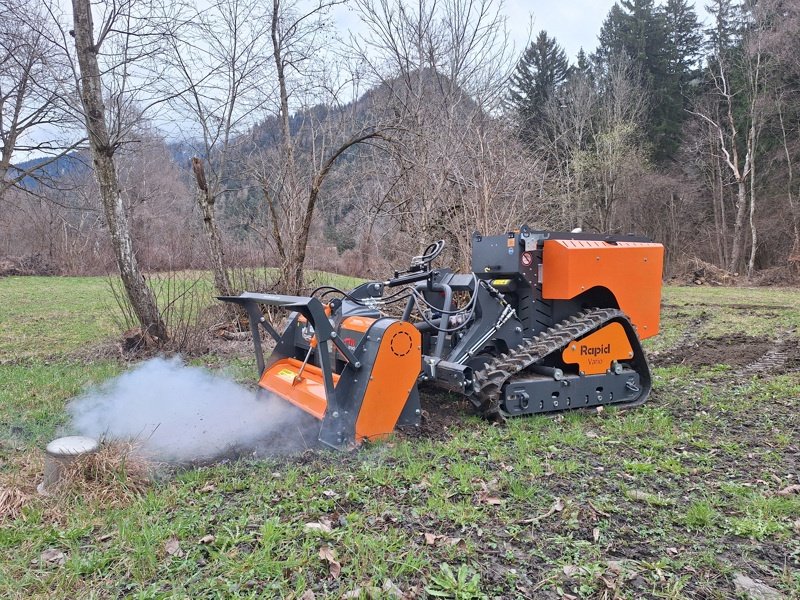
(219, 58)
(780, 42)
(593, 143)
(34, 120)
(311, 137)
(568, 126)
(440, 67)
(728, 133)
(738, 130)
(105, 140)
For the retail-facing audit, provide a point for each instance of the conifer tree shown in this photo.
(664, 42)
(724, 34)
(541, 70)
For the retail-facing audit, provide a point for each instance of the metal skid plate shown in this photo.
(543, 394)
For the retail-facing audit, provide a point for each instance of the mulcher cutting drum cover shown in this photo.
(546, 321)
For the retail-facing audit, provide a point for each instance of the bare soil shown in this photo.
(736, 350)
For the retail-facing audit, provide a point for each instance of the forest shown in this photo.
(155, 136)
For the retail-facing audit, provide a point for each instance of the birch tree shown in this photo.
(292, 173)
(106, 129)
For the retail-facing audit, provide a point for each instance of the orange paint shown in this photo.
(307, 393)
(360, 324)
(397, 366)
(631, 271)
(595, 353)
(393, 376)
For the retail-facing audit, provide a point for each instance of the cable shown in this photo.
(469, 310)
(472, 299)
(331, 289)
(401, 294)
(446, 329)
(403, 290)
(431, 252)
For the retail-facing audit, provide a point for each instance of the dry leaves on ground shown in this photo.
(327, 554)
(52, 557)
(788, 491)
(173, 547)
(324, 524)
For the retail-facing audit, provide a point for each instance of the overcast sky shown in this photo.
(574, 23)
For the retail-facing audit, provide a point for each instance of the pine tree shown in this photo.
(664, 42)
(684, 39)
(682, 45)
(541, 70)
(725, 33)
(583, 66)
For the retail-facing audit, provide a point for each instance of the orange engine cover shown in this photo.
(631, 271)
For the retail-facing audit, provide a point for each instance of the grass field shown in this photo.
(671, 500)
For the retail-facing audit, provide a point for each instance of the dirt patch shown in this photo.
(793, 362)
(736, 350)
(441, 412)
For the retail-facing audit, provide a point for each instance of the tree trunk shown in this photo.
(205, 200)
(753, 233)
(91, 90)
(738, 227)
(5, 164)
(718, 202)
(793, 209)
(753, 237)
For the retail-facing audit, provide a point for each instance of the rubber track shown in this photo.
(490, 380)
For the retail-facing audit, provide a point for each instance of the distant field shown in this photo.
(44, 317)
(671, 500)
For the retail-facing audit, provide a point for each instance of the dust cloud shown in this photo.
(180, 414)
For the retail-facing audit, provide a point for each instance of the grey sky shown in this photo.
(574, 23)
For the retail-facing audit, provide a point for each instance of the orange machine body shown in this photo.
(305, 390)
(389, 379)
(392, 379)
(631, 271)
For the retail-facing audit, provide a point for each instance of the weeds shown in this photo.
(464, 584)
(112, 477)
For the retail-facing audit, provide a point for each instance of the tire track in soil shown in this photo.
(776, 358)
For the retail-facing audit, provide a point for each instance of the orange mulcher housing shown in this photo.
(545, 321)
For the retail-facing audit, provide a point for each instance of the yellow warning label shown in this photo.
(286, 374)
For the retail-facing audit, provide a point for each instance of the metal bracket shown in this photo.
(530, 240)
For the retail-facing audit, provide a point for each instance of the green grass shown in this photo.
(665, 501)
(749, 311)
(33, 395)
(48, 316)
(55, 316)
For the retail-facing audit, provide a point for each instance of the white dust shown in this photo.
(178, 413)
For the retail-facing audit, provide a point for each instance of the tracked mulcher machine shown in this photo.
(545, 322)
